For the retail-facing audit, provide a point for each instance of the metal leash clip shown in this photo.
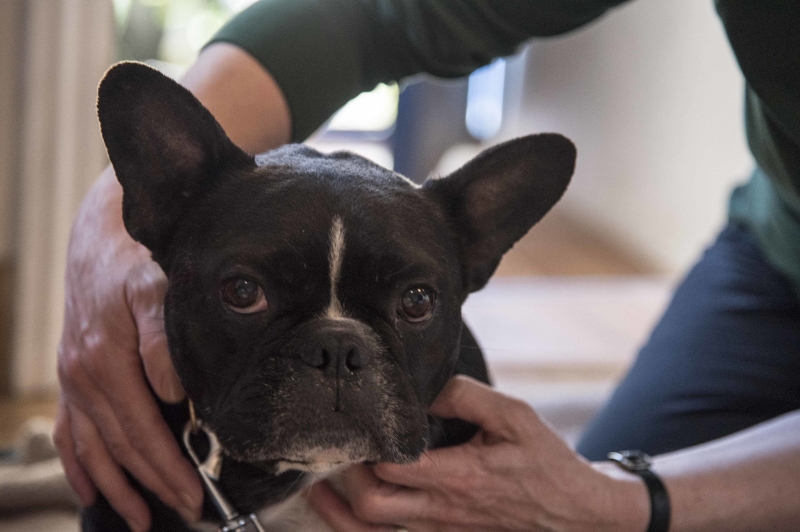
(209, 470)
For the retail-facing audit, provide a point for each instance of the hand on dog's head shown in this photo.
(314, 301)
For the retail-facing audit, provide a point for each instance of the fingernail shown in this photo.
(172, 390)
(137, 526)
(178, 392)
(189, 515)
(190, 502)
(86, 500)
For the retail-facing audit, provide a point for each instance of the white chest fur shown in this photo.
(294, 514)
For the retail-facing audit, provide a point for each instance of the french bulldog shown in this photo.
(313, 309)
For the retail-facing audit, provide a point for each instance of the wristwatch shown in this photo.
(639, 463)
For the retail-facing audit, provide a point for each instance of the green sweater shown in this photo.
(324, 52)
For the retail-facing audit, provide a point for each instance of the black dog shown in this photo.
(314, 303)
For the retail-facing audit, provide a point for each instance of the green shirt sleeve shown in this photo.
(324, 52)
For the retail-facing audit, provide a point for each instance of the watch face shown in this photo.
(632, 460)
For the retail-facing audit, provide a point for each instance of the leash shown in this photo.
(209, 470)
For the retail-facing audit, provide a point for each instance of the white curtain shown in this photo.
(65, 47)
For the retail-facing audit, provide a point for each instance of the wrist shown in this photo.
(98, 239)
(628, 503)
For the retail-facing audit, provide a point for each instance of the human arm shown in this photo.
(113, 332)
(517, 475)
(323, 53)
(111, 340)
(746, 481)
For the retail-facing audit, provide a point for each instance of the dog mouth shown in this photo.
(317, 468)
(321, 451)
(309, 457)
(318, 461)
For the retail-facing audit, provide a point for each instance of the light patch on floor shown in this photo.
(562, 343)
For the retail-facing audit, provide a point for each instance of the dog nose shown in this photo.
(342, 352)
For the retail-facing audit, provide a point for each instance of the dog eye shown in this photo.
(243, 296)
(416, 304)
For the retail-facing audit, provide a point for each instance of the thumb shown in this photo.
(158, 365)
(468, 399)
(146, 287)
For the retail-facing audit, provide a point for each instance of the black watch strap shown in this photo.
(639, 463)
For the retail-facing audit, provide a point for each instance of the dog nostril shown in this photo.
(318, 358)
(355, 359)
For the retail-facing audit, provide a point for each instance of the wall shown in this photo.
(11, 13)
(652, 97)
(66, 47)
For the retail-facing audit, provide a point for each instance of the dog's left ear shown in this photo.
(166, 149)
(498, 196)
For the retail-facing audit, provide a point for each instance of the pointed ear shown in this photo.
(165, 147)
(495, 198)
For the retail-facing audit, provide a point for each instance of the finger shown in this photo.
(127, 416)
(125, 453)
(76, 476)
(157, 362)
(470, 400)
(336, 513)
(142, 423)
(109, 478)
(145, 293)
(145, 287)
(426, 473)
(375, 501)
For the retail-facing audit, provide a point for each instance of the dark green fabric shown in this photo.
(765, 36)
(324, 52)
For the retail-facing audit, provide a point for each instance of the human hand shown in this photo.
(113, 338)
(515, 474)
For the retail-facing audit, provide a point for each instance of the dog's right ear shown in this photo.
(166, 149)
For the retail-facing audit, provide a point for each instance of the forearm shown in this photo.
(242, 96)
(746, 481)
(324, 53)
(100, 220)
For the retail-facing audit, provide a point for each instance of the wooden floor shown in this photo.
(14, 412)
(555, 248)
(558, 246)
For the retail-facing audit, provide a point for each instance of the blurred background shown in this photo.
(650, 94)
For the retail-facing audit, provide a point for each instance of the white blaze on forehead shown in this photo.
(335, 255)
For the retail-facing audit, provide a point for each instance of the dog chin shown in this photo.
(315, 467)
(310, 458)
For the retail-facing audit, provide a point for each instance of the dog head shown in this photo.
(314, 303)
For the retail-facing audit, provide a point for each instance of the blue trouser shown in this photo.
(725, 356)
